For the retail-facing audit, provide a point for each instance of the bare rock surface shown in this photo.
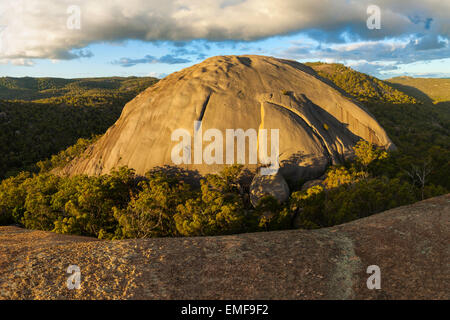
(317, 123)
(409, 244)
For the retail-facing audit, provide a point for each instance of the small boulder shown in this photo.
(264, 185)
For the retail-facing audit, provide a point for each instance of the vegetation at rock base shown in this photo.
(120, 205)
(117, 206)
(65, 156)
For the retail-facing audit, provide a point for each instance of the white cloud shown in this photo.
(38, 28)
(158, 75)
(18, 62)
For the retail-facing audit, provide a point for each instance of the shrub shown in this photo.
(151, 212)
(319, 208)
(218, 209)
(39, 213)
(12, 199)
(86, 204)
(340, 175)
(366, 153)
(271, 215)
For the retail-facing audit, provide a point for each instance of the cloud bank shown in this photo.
(38, 28)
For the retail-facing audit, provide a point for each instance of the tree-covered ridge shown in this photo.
(66, 156)
(359, 85)
(436, 90)
(421, 131)
(32, 89)
(31, 131)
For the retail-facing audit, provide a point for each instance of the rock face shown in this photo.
(317, 124)
(264, 185)
(409, 244)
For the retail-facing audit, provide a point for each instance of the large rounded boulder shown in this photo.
(316, 123)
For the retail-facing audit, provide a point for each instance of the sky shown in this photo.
(82, 38)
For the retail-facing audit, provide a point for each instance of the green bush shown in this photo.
(12, 199)
(218, 209)
(361, 86)
(318, 208)
(271, 215)
(39, 213)
(86, 204)
(151, 212)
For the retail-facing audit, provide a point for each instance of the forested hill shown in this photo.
(56, 90)
(41, 116)
(427, 89)
(415, 113)
(360, 85)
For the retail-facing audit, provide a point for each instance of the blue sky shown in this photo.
(116, 39)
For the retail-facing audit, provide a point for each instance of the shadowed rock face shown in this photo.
(317, 124)
(409, 244)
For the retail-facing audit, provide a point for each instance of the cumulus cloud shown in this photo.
(407, 50)
(373, 57)
(18, 62)
(168, 59)
(38, 28)
(428, 42)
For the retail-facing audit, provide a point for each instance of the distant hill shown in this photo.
(428, 89)
(41, 116)
(40, 89)
(361, 86)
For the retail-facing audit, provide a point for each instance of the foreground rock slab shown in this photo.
(409, 244)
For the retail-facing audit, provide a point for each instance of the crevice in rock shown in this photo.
(345, 275)
(205, 104)
(316, 133)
